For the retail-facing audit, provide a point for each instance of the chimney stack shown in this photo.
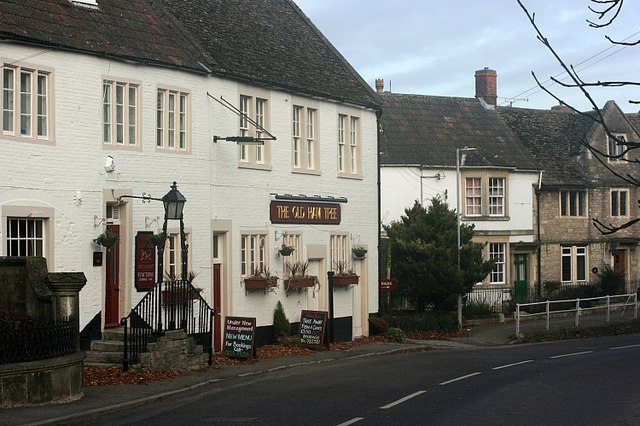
(379, 85)
(486, 86)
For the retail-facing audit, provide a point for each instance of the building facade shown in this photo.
(108, 101)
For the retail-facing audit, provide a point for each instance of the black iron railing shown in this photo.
(171, 305)
(34, 341)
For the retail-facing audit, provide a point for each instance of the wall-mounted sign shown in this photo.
(388, 285)
(239, 337)
(145, 262)
(302, 212)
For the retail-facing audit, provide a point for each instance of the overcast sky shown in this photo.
(433, 47)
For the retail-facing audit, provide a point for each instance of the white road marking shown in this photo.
(624, 347)
(401, 400)
(571, 354)
(512, 365)
(352, 421)
(460, 378)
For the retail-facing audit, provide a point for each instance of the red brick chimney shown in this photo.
(486, 85)
(379, 85)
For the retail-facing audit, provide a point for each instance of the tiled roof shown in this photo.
(268, 42)
(130, 29)
(426, 130)
(554, 139)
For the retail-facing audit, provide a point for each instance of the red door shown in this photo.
(112, 291)
(217, 318)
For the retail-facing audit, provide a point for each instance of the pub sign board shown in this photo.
(239, 337)
(313, 326)
(305, 213)
(145, 274)
(388, 285)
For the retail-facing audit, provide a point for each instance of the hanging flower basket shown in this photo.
(359, 252)
(157, 239)
(107, 239)
(286, 250)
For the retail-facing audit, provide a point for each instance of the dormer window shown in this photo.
(616, 148)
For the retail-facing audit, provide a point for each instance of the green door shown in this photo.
(521, 283)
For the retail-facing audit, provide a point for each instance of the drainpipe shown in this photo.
(539, 240)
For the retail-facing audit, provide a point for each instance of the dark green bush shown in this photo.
(395, 335)
(281, 325)
(379, 326)
(611, 281)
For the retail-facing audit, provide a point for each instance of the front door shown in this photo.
(217, 318)
(620, 261)
(112, 291)
(521, 282)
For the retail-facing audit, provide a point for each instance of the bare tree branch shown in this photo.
(614, 4)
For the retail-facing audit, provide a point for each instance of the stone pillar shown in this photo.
(66, 287)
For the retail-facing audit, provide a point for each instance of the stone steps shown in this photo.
(172, 351)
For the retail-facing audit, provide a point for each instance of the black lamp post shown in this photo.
(173, 207)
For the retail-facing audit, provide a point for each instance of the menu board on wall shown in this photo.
(313, 325)
(239, 337)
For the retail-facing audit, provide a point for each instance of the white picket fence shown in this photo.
(619, 302)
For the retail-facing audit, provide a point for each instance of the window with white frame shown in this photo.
(496, 196)
(295, 241)
(619, 199)
(574, 264)
(339, 250)
(256, 109)
(473, 196)
(173, 256)
(25, 102)
(305, 145)
(616, 147)
(349, 145)
(573, 203)
(25, 236)
(172, 120)
(253, 253)
(120, 112)
(497, 255)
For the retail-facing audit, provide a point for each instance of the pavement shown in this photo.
(102, 399)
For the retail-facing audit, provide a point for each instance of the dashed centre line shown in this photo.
(352, 421)
(401, 400)
(624, 347)
(500, 367)
(571, 354)
(460, 378)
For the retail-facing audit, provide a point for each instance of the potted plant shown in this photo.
(178, 289)
(286, 250)
(260, 278)
(297, 276)
(344, 275)
(107, 239)
(359, 252)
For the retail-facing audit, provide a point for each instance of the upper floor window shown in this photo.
(497, 255)
(25, 237)
(25, 102)
(616, 148)
(574, 264)
(619, 199)
(573, 203)
(349, 145)
(295, 241)
(253, 253)
(305, 146)
(340, 252)
(120, 113)
(257, 109)
(172, 120)
(496, 196)
(473, 196)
